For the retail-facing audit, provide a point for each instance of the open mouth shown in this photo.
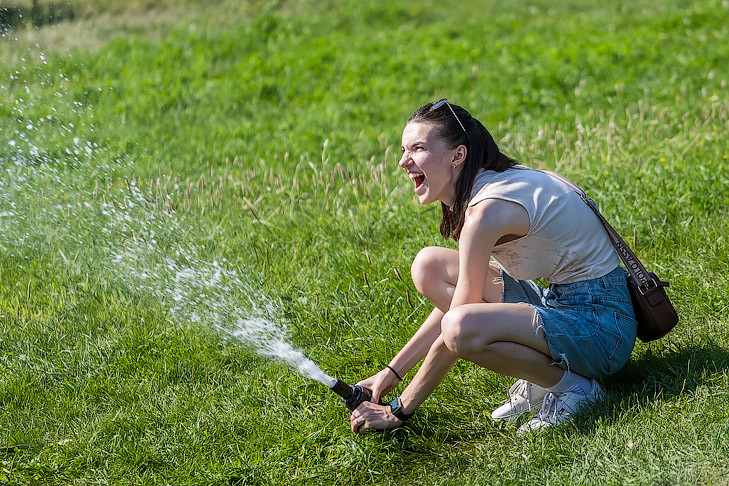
(418, 180)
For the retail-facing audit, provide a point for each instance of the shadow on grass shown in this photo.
(648, 379)
(656, 377)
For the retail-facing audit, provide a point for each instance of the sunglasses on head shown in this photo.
(444, 101)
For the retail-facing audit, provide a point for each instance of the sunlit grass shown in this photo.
(266, 137)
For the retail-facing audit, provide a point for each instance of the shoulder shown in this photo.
(514, 183)
(497, 217)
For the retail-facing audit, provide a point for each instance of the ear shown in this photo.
(459, 156)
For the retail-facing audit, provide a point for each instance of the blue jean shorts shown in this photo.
(589, 325)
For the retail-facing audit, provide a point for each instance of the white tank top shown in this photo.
(566, 241)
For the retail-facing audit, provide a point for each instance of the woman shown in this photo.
(556, 341)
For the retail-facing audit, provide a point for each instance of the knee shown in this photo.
(460, 334)
(425, 269)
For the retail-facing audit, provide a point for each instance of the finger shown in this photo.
(357, 425)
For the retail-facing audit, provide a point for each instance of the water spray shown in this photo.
(135, 232)
(136, 238)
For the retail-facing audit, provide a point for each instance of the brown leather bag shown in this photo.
(655, 314)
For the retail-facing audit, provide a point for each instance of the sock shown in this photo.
(571, 382)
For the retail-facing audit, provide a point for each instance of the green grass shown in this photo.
(267, 134)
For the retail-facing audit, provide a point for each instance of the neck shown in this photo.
(450, 198)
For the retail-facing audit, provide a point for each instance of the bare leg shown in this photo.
(488, 334)
(499, 337)
(435, 274)
(502, 338)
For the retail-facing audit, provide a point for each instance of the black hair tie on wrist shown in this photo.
(393, 370)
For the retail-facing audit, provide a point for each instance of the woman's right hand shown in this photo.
(381, 384)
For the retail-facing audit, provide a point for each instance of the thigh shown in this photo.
(437, 269)
(480, 325)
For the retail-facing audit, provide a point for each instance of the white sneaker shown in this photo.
(523, 397)
(556, 409)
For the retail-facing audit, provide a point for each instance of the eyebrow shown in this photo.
(418, 142)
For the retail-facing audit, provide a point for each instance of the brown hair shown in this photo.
(483, 153)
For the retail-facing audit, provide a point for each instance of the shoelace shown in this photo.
(550, 405)
(521, 388)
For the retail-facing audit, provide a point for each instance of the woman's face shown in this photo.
(429, 163)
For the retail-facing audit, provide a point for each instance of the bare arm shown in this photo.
(486, 223)
(416, 348)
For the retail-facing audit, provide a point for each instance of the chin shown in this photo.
(425, 200)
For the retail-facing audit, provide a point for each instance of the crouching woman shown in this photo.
(513, 224)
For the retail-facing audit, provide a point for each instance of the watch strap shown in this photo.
(396, 409)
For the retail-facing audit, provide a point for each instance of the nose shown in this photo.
(405, 160)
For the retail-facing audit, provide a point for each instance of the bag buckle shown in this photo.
(647, 286)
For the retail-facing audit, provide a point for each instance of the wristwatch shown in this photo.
(396, 409)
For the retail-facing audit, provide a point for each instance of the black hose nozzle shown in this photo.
(352, 395)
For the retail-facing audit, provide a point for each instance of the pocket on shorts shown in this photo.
(560, 298)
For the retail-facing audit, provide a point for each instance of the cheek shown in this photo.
(428, 163)
(437, 169)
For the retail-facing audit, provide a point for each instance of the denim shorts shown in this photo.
(589, 325)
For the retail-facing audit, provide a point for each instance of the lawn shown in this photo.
(184, 183)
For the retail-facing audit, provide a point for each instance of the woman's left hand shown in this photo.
(370, 415)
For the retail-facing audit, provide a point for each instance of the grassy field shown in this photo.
(170, 168)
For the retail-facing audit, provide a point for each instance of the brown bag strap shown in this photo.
(634, 266)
